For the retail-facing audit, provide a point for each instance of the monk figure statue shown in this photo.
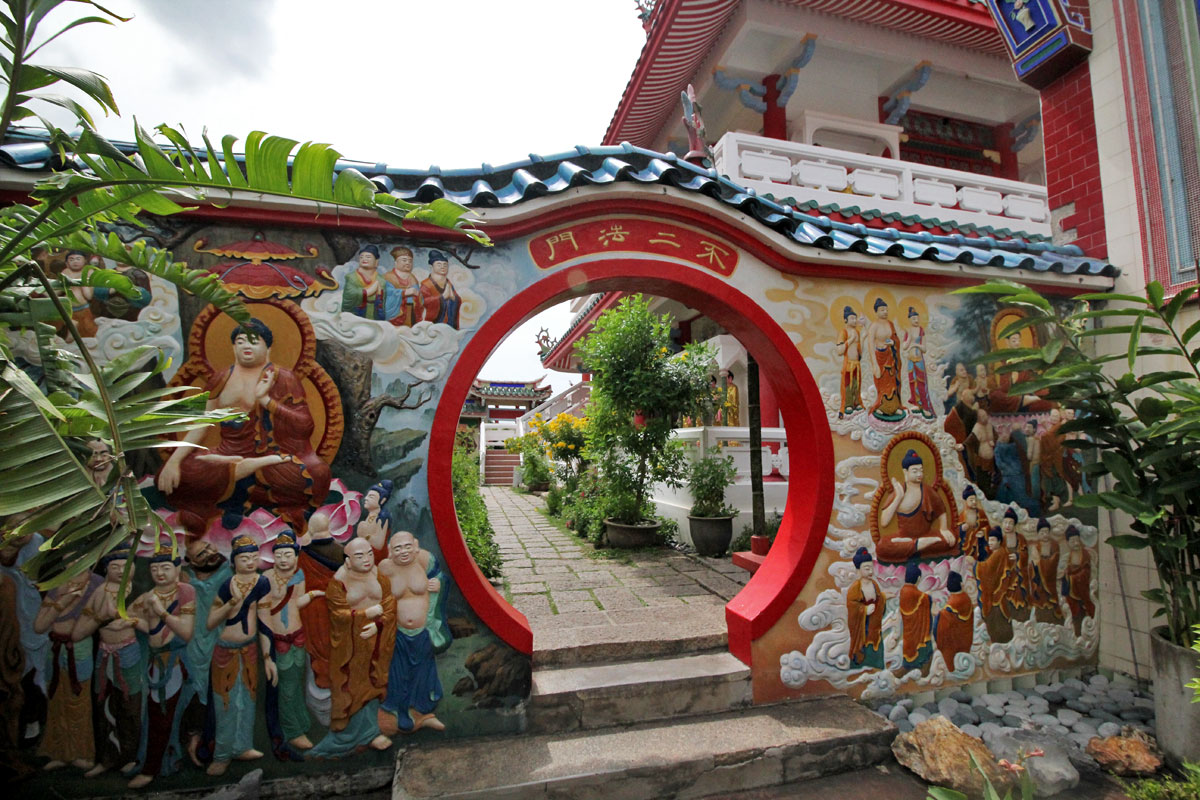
(266, 461)
(865, 605)
(362, 633)
(414, 688)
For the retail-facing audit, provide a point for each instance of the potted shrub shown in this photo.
(711, 519)
(639, 389)
(1138, 410)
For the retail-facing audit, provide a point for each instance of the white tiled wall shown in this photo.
(1120, 611)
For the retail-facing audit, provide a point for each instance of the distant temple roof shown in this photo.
(540, 176)
(510, 390)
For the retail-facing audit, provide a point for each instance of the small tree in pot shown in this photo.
(711, 518)
(639, 390)
(1138, 410)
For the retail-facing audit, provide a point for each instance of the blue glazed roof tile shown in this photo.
(498, 186)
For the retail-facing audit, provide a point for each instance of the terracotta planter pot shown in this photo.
(1176, 718)
(711, 535)
(630, 536)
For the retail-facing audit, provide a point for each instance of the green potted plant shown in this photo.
(1137, 408)
(710, 521)
(639, 389)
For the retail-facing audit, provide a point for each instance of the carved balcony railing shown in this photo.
(877, 185)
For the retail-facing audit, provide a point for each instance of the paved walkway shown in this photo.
(575, 596)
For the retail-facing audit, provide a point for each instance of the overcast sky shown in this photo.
(454, 83)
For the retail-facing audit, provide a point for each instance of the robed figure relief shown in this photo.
(883, 344)
(362, 635)
(849, 347)
(916, 620)
(973, 530)
(913, 514)
(266, 461)
(367, 293)
(439, 302)
(1043, 575)
(166, 616)
(1077, 580)
(914, 365)
(955, 622)
(999, 587)
(401, 277)
(865, 606)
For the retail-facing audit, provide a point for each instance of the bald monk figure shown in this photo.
(413, 685)
(362, 633)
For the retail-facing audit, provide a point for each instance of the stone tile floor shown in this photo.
(573, 594)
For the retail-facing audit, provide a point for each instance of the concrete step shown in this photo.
(584, 698)
(642, 633)
(673, 760)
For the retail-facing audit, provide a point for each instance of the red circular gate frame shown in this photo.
(811, 480)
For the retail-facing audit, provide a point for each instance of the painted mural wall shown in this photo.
(313, 622)
(955, 552)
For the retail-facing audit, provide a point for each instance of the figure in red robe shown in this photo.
(916, 618)
(439, 302)
(1077, 580)
(956, 622)
(265, 461)
(884, 345)
(920, 514)
(864, 614)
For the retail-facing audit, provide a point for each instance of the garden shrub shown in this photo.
(472, 511)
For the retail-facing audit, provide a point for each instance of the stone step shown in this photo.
(677, 759)
(641, 634)
(584, 698)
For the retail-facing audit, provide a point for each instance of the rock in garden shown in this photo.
(1045, 719)
(1070, 692)
(947, 707)
(1098, 680)
(1131, 755)
(1075, 683)
(884, 710)
(940, 754)
(1085, 728)
(1104, 716)
(1011, 721)
(986, 715)
(1053, 697)
(918, 716)
(1068, 717)
(931, 707)
(906, 703)
(898, 713)
(1080, 706)
(972, 730)
(960, 696)
(904, 726)
(1108, 729)
(1051, 772)
(1122, 696)
(967, 715)
(247, 788)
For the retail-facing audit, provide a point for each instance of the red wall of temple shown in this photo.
(1072, 161)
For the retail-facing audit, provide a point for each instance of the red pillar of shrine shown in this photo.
(768, 408)
(775, 117)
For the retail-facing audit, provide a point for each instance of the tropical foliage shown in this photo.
(708, 478)
(471, 509)
(639, 391)
(990, 792)
(53, 400)
(1138, 409)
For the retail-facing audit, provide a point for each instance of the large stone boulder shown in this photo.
(1132, 754)
(1052, 772)
(941, 755)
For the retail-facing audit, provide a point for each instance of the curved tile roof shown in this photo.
(540, 176)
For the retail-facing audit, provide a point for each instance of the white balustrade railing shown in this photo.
(735, 442)
(824, 175)
(571, 400)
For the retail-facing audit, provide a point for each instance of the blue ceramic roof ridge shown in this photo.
(538, 176)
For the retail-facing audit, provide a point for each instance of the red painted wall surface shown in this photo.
(1072, 160)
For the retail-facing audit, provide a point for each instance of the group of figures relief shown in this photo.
(346, 634)
(397, 295)
(288, 614)
(970, 553)
(894, 356)
(920, 531)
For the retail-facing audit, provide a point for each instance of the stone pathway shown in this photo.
(574, 596)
